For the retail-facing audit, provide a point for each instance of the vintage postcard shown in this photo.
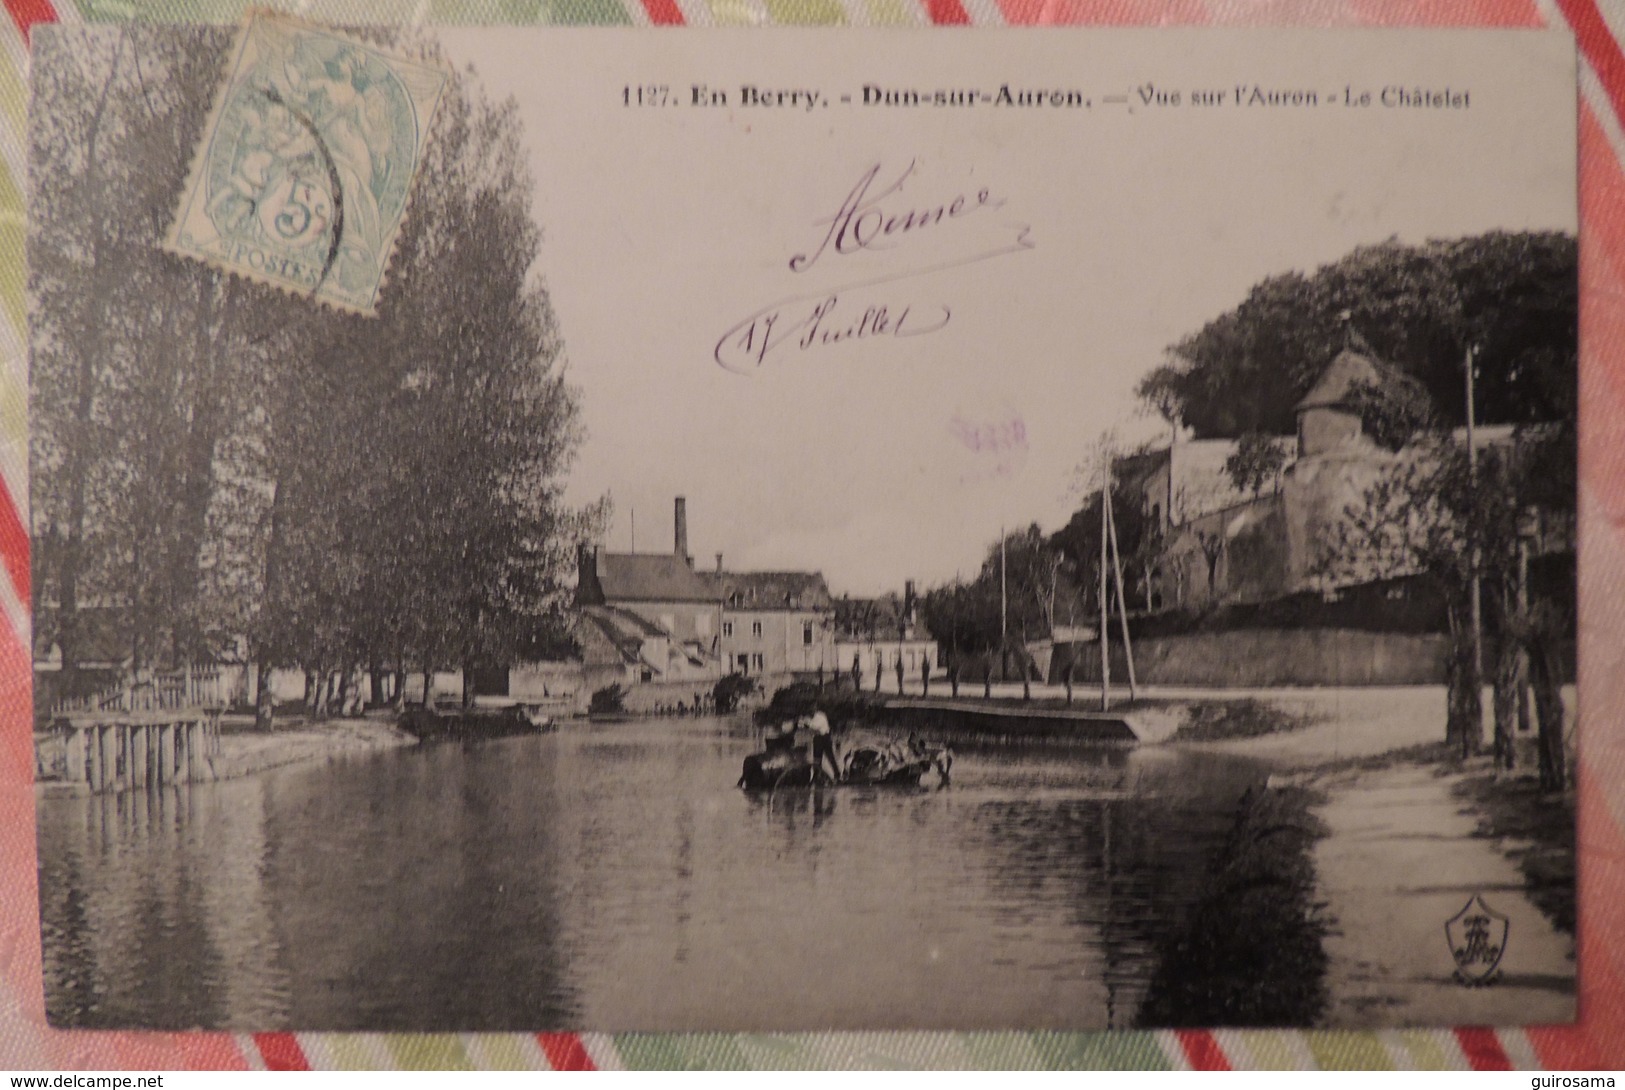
(590, 529)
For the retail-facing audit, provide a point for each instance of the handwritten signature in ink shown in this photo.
(868, 219)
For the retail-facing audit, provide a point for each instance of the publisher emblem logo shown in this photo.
(1478, 939)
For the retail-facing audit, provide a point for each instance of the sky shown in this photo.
(1085, 241)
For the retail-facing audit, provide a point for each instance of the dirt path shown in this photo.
(1399, 860)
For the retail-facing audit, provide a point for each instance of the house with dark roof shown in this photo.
(627, 595)
(775, 622)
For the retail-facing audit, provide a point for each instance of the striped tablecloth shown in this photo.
(1597, 1042)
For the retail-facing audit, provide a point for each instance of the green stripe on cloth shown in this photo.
(429, 1052)
(1271, 1050)
(1003, 1051)
(14, 98)
(1136, 1051)
(894, 13)
(1344, 1051)
(502, 1052)
(806, 12)
(680, 1052)
(1427, 1048)
(12, 297)
(351, 1052)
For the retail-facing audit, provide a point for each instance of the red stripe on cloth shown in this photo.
(565, 1052)
(25, 13)
(1202, 1050)
(1482, 1049)
(281, 1052)
(663, 12)
(947, 12)
(13, 543)
(1599, 47)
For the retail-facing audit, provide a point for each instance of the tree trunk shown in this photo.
(324, 684)
(468, 683)
(1546, 675)
(428, 682)
(1464, 719)
(264, 698)
(196, 487)
(76, 465)
(375, 694)
(343, 697)
(398, 697)
(1507, 678)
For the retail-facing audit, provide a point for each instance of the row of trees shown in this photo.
(1031, 582)
(1513, 297)
(226, 468)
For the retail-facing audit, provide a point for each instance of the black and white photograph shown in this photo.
(549, 529)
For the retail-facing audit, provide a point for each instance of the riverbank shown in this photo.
(245, 751)
(1407, 848)
(1409, 835)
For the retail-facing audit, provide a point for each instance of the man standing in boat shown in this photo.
(823, 748)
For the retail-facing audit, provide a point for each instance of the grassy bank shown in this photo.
(1249, 950)
(1541, 830)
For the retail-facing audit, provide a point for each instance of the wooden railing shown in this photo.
(194, 687)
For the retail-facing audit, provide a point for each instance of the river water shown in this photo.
(612, 877)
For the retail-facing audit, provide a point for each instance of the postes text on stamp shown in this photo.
(304, 171)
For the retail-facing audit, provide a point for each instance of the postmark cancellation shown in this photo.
(303, 173)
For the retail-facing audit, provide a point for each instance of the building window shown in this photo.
(806, 633)
(728, 629)
(756, 660)
(744, 664)
(756, 629)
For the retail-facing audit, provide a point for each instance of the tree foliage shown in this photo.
(1258, 460)
(1513, 296)
(235, 469)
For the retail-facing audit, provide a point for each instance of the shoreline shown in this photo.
(1408, 836)
(245, 753)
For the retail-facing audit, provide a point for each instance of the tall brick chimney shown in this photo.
(682, 529)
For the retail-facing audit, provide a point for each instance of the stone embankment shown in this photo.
(245, 752)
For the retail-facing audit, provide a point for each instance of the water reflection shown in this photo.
(614, 878)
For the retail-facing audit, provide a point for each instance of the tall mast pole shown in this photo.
(1105, 652)
(1122, 599)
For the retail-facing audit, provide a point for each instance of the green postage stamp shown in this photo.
(304, 171)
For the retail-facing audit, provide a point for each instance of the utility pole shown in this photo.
(1004, 613)
(1475, 603)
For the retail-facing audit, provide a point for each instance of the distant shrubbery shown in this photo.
(610, 700)
(841, 705)
(730, 690)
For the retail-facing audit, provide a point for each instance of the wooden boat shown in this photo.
(801, 757)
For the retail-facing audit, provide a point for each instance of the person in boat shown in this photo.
(823, 747)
